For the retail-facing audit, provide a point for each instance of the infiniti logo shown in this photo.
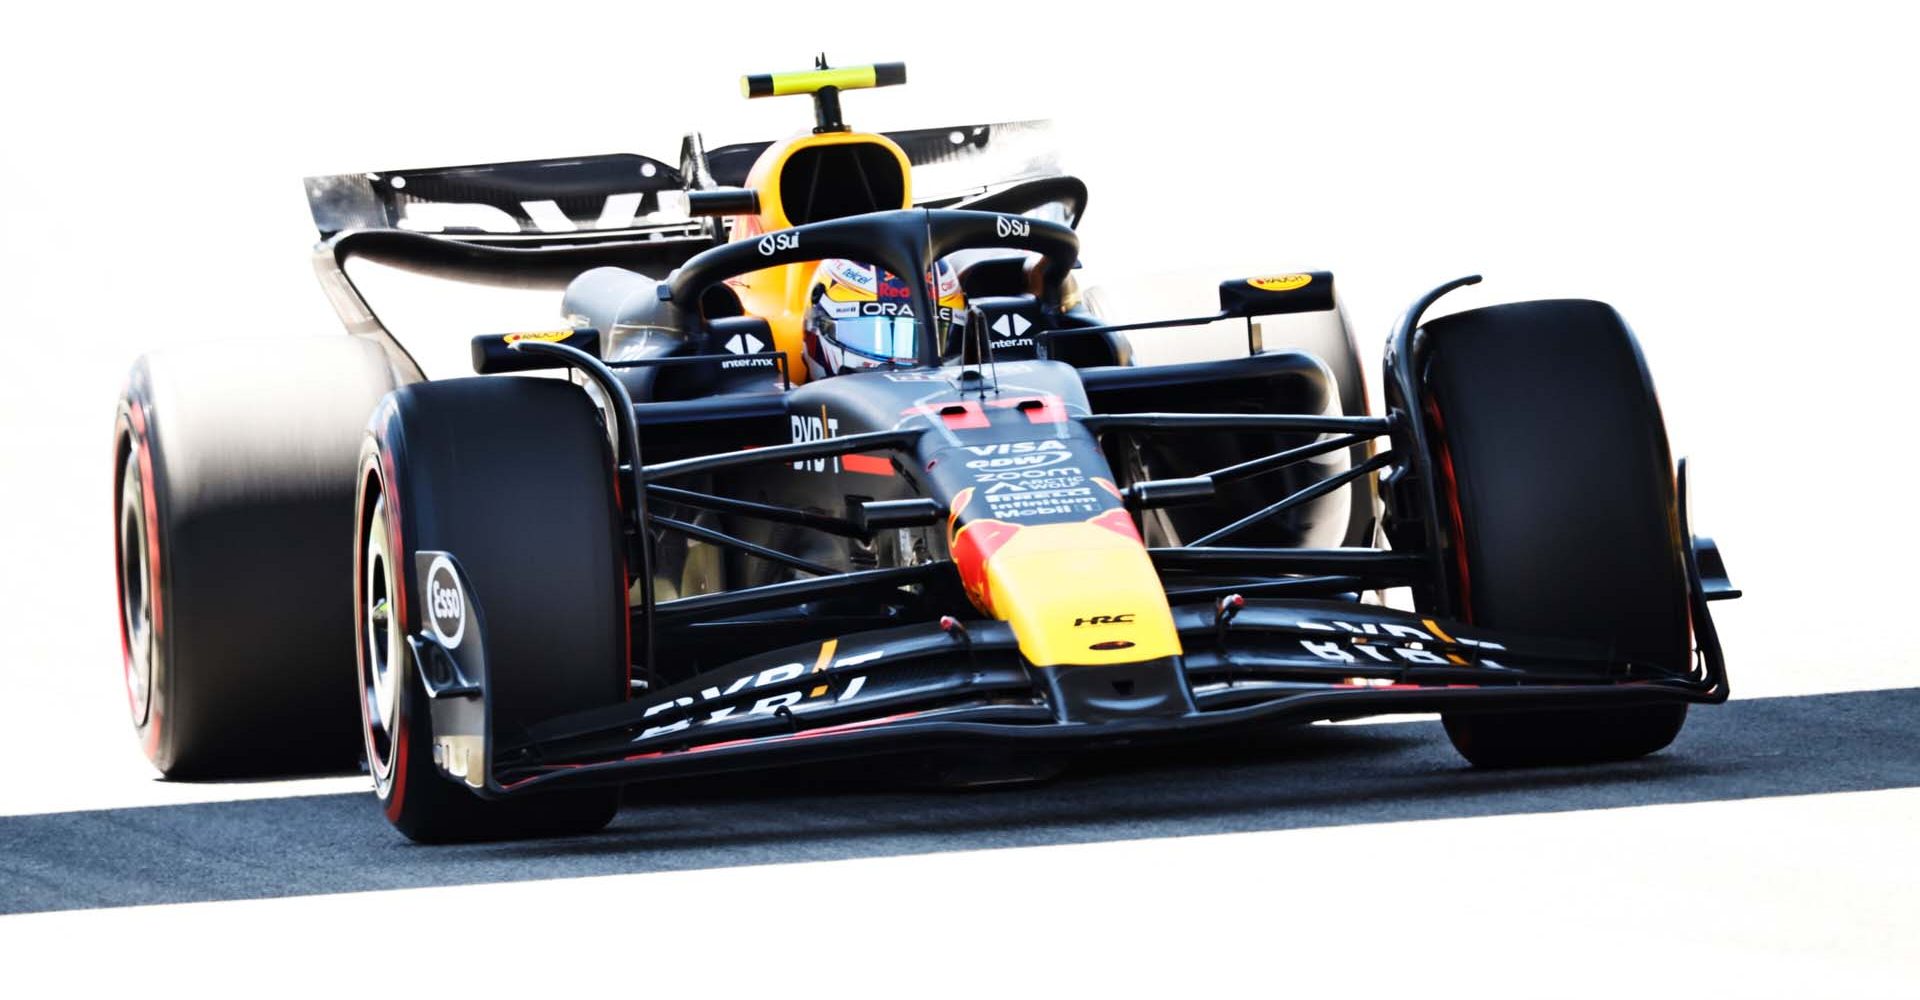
(773, 243)
(1007, 225)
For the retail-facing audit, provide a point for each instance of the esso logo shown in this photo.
(1008, 225)
(773, 243)
(446, 603)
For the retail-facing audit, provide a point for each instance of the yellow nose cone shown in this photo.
(1081, 594)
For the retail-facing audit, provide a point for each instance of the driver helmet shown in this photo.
(860, 317)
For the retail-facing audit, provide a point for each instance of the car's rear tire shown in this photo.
(1555, 472)
(513, 477)
(233, 476)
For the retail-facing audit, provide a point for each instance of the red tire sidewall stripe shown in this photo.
(397, 791)
(395, 772)
(397, 551)
(142, 452)
(122, 432)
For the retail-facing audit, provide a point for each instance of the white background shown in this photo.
(1737, 179)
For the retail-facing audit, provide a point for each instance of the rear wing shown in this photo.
(613, 193)
(534, 225)
(624, 196)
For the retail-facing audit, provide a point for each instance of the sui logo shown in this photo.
(773, 243)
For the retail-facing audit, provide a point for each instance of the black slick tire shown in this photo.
(1555, 473)
(233, 486)
(513, 477)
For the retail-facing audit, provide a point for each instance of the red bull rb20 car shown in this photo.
(822, 468)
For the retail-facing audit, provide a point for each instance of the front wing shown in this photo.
(956, 686)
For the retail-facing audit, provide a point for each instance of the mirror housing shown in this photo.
(493, 352)
(1275, 294)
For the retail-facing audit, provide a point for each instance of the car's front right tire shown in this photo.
(1558, 493)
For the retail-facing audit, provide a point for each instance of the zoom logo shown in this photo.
(1008, 225)
(773, 243)
(446, 603)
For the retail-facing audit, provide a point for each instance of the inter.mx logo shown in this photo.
(1008, 225)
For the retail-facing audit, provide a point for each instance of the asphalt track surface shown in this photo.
(1303, 777)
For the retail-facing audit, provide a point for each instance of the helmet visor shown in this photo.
(881, 338)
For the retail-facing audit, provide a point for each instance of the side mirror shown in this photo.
(1274, 294)
(494, 353)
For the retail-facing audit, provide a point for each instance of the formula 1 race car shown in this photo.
(828, 464)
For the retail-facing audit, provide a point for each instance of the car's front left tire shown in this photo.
(513, 477)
